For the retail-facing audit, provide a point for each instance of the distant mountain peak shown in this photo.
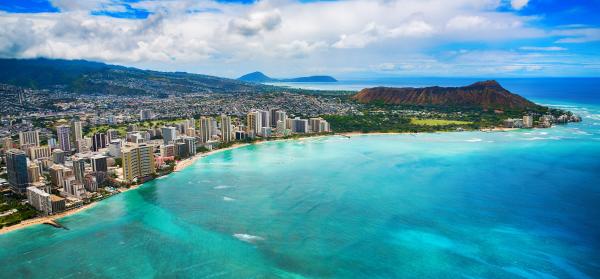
(256, 77)
(260, 78)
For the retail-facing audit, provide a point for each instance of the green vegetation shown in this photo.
(438, 122)
(23, 211)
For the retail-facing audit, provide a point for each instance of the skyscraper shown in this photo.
(16, 168)
(273, 117)
(254, 122)
(76, 130)
(99, 141)
(30, 138)
(205, 131)
(79, 169)
(265, 119)
(138, 161)
(64, 138)
(169, 134)
(280, 115)
(99, 163)
(58, 156)
(226, 132)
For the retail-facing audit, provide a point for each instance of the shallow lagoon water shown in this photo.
(521, 204)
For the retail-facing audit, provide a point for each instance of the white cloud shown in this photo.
(213, 37)
(550, 48)
(255, 23)
(577, 35)
(373, 32)
(518, 4)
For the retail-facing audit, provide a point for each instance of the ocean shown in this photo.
(519, 204)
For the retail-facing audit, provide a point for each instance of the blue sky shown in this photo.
(491, 38)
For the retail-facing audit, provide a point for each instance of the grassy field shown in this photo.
(437, 122)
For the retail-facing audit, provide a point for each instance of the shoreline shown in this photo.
(183, 164)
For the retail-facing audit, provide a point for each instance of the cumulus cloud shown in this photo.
(214, 37)
(255, 23)
(373, 32)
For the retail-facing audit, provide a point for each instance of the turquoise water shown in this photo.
(521, 204)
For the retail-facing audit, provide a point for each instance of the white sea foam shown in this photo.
(222, 187)
(474, 140)
(248, 237)
(227, 199)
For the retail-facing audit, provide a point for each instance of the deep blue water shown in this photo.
(522, 204)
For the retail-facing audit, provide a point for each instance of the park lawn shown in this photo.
(437, 122)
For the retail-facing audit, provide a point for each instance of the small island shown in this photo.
(259, 77)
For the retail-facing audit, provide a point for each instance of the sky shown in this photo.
(286, 38)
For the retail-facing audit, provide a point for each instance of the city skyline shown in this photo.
(289, 38)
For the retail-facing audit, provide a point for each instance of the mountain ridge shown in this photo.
(90, 77)
(486, 94)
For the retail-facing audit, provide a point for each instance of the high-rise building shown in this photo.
(190, 132)
(146, 114)
(300, 125)
(99, 141)
(58, 156)
(265, 118)
(30, 138)
(181, 150)
(169, 134)
(39, 199)
(190, 145)
(64, 138)
(167, 150)
(76, 131)
(205, 129)
(57, 175)
(527, 121)
(318, 125)
(114, 149)
(273, 117)
(52, 143)
(16, 168)
(73, 187)
(39, 152)
(90, 183)
(138, 161)
(280, 115)
(99, 163)
(253, 122)
(112, 134)
(33, 173)
(79, 169)
(226, 133)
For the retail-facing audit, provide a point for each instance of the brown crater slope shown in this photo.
(485, 94)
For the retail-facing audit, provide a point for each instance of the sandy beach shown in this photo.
(41, 220)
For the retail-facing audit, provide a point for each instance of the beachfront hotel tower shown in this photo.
(205, 131)
(16, 168)
(253, 122)
(138, 161)
(226, 132)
